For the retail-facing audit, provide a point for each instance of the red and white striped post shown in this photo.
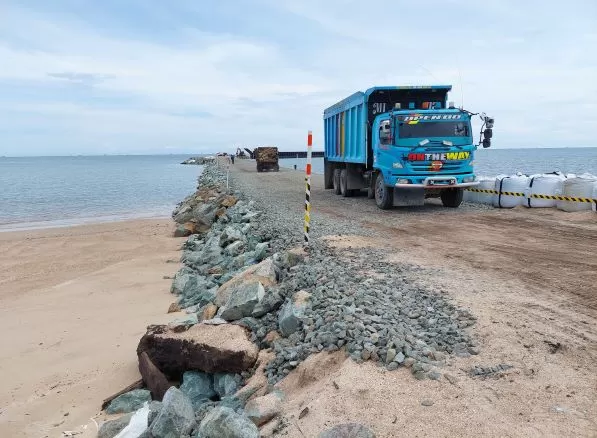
(308, 188)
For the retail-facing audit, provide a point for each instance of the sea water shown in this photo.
(492, 162)
(56, 191)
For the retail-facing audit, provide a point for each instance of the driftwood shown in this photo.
(154, 379)
(137, 385)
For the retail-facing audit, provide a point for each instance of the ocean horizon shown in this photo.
(58, 191)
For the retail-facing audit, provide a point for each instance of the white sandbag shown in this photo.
(581, 186)
(137, 425)
(550, 184)
(485, 183)
(510, 184)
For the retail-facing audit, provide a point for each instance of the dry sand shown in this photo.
(74, 303)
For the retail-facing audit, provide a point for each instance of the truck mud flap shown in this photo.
(409, 197)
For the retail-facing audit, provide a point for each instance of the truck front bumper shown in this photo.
(436, 182)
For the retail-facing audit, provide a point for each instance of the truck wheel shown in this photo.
(337, 181)
(384, 195)
(277, 168)
(344, 184)
(258, 168)
(452, 197)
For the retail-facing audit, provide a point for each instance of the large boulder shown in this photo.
(289, 319)
(243, 299)
(203, 347)
(129, 401)
(263, 272)
(262, 409)
(176, 418)
(111, 428)
(183, 213)
(349, 430)
(198, 386)
(153, 378)
(224, 422)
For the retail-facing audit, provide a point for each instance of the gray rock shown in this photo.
(427, 402)
(271, 301)
(392, 366)
(289, 319)
(182, 324)
(154, 409)
(110, 429)
(349, 430)
(391, 354)
(399, 357)
(180, 280)
(234, 248)
(176, 418)
(242, 301)
(226, 384)
(198, 387)
(229, 235)
(224, 422)
(129, 402)
(261, 251)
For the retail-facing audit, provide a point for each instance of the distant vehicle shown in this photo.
(267, 158)
(402, 144)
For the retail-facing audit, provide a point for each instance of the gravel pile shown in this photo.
(351, 299)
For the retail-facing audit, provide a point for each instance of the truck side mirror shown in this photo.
(488, 133)
(486, 142)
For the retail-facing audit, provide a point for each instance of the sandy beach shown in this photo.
(73, 304)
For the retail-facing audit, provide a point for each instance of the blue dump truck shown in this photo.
(401, 144)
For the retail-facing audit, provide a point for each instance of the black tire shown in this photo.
(277, 168)
(337, 181)
(452, 197)
(384, 195)
(344, 184)
(259, 168)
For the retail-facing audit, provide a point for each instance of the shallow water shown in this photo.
(59, 191)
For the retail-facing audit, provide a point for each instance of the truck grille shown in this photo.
(425, 166)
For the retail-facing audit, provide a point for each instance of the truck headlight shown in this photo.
(397, 165)
(403, 181)
(468, 179)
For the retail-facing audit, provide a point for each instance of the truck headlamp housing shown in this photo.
(397, 165)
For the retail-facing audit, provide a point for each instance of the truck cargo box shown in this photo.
(346, 123)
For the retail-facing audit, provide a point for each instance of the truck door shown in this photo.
(383, 140)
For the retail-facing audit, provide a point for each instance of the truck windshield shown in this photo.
(433, 129)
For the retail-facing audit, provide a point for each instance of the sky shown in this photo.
(190, 76)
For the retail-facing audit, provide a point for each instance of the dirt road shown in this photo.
(529, 275)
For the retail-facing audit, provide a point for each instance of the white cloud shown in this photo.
(140, 94)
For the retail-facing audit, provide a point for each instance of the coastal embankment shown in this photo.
(435, 321)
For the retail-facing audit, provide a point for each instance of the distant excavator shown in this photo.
(240, 153)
